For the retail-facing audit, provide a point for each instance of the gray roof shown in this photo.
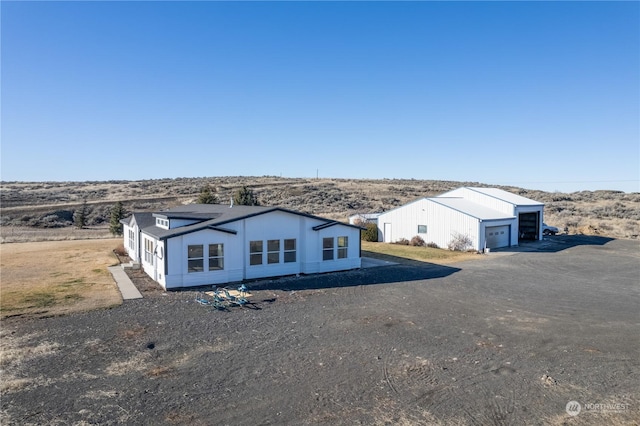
(470, 208)
(211, 211)
(143, 220)
(215, 216)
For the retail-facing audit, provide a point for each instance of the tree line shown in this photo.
(242, 197)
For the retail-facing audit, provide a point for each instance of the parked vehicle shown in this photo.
(549, 230)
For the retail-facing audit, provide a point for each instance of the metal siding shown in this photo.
(404, 221)
(444, 223)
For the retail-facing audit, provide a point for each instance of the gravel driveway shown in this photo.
(507, 339)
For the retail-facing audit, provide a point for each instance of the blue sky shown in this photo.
(541, 95)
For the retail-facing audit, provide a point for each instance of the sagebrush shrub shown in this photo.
(417, 241)
(120, 250)
(460, 242)
(402, 242)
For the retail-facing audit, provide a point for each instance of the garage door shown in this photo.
(497, 236)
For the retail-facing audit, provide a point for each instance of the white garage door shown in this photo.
(497, 236)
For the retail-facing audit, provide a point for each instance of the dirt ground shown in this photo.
(506, 340)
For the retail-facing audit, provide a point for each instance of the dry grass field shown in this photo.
(420, 254)
(57, 277)
(33, 211)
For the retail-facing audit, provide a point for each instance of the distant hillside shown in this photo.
(47, 205)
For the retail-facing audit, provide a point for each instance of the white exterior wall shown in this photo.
(445, 222)
(404, 221)
(132, 252)
(270, 226)
(178, 274)
(313, 261)
(442, 223)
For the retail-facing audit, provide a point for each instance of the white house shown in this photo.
(201, 244)
(490, 217)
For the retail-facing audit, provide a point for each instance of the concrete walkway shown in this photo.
(128, 290)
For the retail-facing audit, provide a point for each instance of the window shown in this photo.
(273, 251)
(422, 229)
(343, 247)
(195, 258)
(255, 253)
(216, 257)
(327, 249)
(148, 251)
(132, 239)
(289, 251)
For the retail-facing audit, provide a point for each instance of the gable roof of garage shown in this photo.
(470, 208)
(506, 196)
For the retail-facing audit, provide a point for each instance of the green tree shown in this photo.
(207, 196)
(117, 213)
(80, 215)
(245, 197)
(371, 233)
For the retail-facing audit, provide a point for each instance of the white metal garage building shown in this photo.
(490, 217)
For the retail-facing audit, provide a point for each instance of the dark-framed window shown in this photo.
(343, 247)
(216, 257)
(422, 229)
(289, 250)
(255, 252)
(273, 251)
(195, 258)
(327, 248)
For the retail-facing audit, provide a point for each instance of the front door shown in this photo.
(387, 232)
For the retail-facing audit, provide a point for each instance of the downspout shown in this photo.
(166, 258)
